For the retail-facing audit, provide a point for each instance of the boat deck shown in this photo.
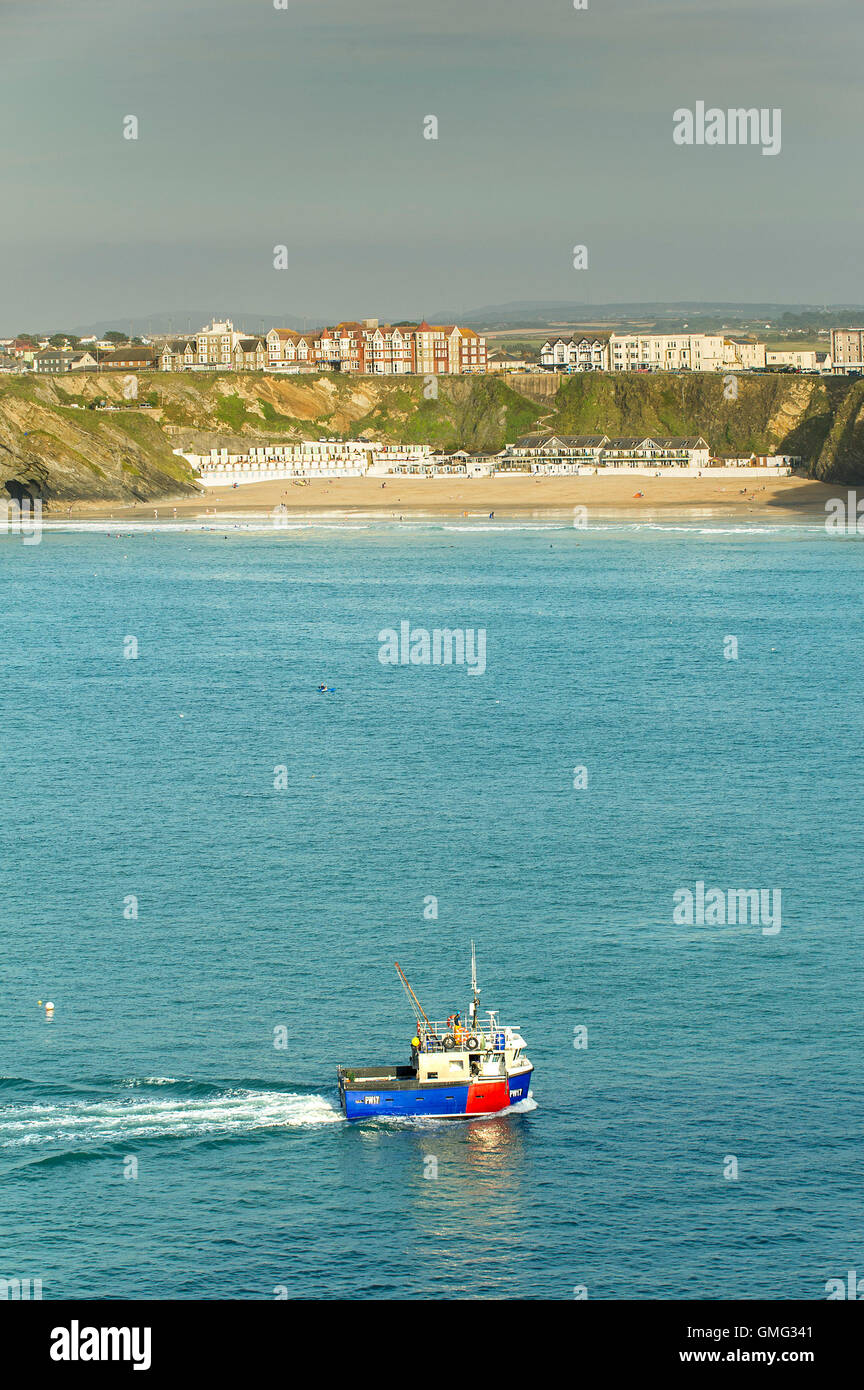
(361, 1078)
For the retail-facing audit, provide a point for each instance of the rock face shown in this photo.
(54, 447)
(54, 444)
(841, 459)
(816, 418)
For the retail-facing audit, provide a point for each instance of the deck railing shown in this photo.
(494, 1037)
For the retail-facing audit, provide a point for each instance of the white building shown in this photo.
(506, 362)
(666, 352)
(321, 458)
(215, 344)
(743, 354)
(802, 359)
(575, 354)
(847, 350)
(780, 464)
(575, 454)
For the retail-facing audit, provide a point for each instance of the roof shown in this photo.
(577, 339)
(570, 441)
(597, 441)
(681, 441)
(129, 354)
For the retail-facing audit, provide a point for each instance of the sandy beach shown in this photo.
(518, 496)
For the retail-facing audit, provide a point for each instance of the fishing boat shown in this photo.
(474, 1067)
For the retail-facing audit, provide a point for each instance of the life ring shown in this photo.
(472, 1043)
(448, 1043)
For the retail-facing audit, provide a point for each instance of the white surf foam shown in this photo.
(100, 1121)
(126, 530)
(524, 1107)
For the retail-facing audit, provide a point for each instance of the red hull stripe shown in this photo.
(484, 1096)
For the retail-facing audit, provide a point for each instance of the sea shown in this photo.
(209, 868)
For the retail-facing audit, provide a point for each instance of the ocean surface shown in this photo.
(155, 1142)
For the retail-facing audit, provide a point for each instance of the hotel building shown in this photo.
(655, 352)
(211, 348)
(847, 349)
(575, 354)
(564, 454)
(662, 352)
(379, 349)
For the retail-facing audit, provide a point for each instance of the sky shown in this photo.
(303, 127)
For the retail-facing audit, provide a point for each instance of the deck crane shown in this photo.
(415, 1003)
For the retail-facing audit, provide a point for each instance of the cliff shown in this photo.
(53, 445)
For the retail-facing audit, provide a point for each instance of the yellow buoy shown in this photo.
(415, 1042)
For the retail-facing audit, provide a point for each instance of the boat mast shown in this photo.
(414, 1001)
(474, 990)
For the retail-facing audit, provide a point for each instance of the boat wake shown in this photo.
(524, 1107)
(521, 1107)
(160, 1107)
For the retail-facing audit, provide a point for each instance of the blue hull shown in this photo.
(474, 1098)
(362, 1105)
(520, 1086)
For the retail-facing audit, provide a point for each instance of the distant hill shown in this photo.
(700, 316)
(514, 314)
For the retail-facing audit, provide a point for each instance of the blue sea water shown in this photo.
(261, 908)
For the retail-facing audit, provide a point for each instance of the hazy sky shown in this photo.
(304, 127)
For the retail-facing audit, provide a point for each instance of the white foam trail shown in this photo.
(97, 1121)
(524, 1107)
